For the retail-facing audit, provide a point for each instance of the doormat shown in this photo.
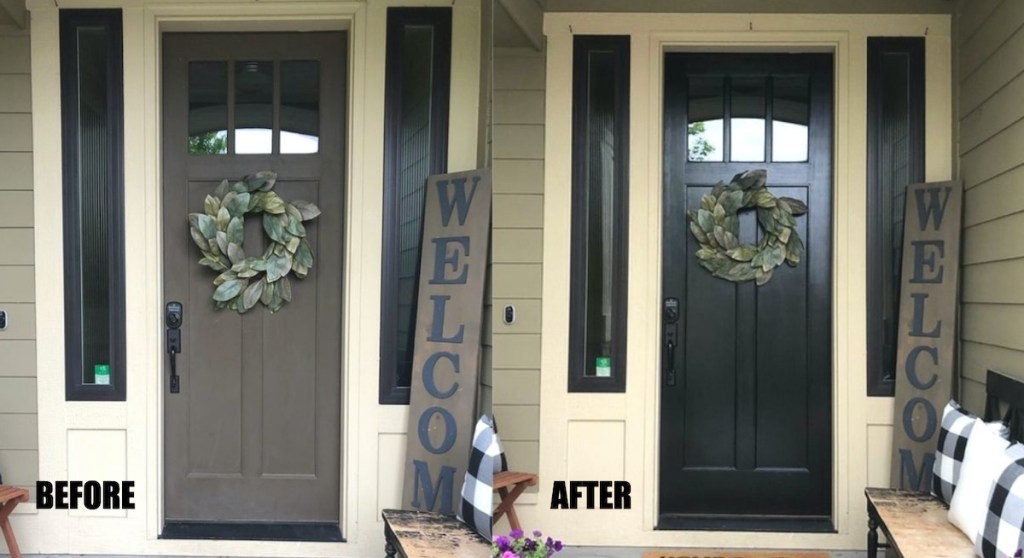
(726, 553)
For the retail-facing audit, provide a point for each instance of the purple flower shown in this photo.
(509, 554)
(1018, 553)
(538, 534)
(516, 533)
(558, 546)
(503, 543)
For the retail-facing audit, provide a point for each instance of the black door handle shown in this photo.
(670, 317)
(174, 317)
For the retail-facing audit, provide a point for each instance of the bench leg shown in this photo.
(5, 526)
(872, 533)
(389, 549)
(507, 505)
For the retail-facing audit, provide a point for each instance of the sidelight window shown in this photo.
(597, 303)
(895, 160)
(93, 211)
(417, 69)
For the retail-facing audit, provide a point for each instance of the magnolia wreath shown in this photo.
(218, 232)
(716, 223)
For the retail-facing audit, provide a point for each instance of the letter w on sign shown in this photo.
(446, 355)
(927, 328)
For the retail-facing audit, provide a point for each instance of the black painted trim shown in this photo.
(441, 20)
(879, 383)
(70, 22)
(583, 45)
(776, 524)
(213, 530)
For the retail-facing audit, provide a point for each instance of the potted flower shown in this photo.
(518, 545)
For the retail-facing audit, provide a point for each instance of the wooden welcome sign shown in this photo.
(446, 357)
(927, 328)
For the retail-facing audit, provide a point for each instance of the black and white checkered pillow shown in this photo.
(956, 428)
(1002, 533)
(949, 456)
(478, 488)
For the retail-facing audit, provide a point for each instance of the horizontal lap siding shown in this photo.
(990, 70)
(19, 438)
(518, 150)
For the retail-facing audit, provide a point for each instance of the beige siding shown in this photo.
(989, 57)
(19, 438)
(518, 113)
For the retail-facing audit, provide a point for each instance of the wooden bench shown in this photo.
(510, 485)
(10, 497)
(413, 534)
(915, 524)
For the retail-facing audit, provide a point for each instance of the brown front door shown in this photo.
(252, 441)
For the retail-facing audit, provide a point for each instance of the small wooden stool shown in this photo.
(10, 497)
(518, 482)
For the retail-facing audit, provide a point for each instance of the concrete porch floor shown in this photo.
(569, 552)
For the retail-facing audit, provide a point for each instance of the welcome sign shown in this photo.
(446, 356)
(927, 328)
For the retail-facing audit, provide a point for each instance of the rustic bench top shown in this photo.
(916, 524)
(429, 535)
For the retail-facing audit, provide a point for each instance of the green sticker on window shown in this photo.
(102, 374)
(604, 366)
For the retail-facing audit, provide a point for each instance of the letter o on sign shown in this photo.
(931, 421)
(449, 430)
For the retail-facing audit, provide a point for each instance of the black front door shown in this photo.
(746, 429)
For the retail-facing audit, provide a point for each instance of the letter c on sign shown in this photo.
(908, 419)
(449, 430)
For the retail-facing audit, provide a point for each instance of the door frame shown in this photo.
(626, 426)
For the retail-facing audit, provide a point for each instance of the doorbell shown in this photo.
(509, 316)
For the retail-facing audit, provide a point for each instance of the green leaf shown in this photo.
(725, 239)
(718, 189)
(698, 234)
(286, 289)
(707, 201)
(271, 180)
(268, 293)
(299, 270)
(236, 231)
(273, 203)
(239, 187)
(203, 223)
(252, 294)
(764, 198)
(784, 234)
(222, 189)
(273, 226)
(794, 248)
(229, 289)
(256, 202)
(222, 242)
(235, 253)
(304, 254)
(211, 205)
(705, 220)
(201, 242)
(223, 218)
(742, 253)
(719, 214)
(293, 244)
(254, 182)
(237, 204)
(796, 206)
(212, 263)
(294, 226)
(278, 267)
(762, 276)
(308, 210)
(731, 201)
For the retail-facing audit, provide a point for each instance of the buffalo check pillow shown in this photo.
(1002, 531)
(478, 487)
(949, 456)
(984, 459)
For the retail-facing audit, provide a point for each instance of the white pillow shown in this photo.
(984, 459)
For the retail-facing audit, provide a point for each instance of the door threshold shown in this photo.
(235, 531)
(763, 523)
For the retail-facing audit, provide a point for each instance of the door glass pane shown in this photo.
(706, 138)
(747, 123)
(600, 214)
(300, 106)
(254, 107)
(413, 168)
(790, 112)
(207, 108)
(94, 212)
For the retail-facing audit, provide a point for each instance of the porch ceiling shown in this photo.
(12, 12)
(518, 23)
(755, 6)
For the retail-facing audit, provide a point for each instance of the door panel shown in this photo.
(254, 434)
(746, 424)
